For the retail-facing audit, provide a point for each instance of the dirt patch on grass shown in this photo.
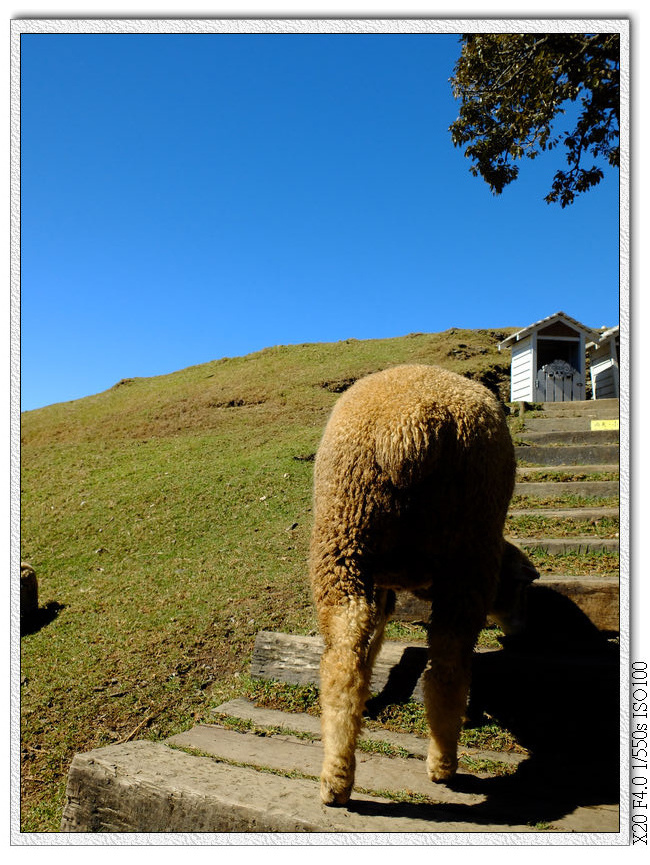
(235, 402)
(339, 386)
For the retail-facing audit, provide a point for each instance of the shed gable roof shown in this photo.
(602, 337)
(589, 332)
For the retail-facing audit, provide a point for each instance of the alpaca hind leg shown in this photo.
(446, 688)
(344, 689)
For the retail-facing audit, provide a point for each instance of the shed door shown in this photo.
(559, 382)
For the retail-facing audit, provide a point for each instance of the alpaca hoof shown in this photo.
(441, 769)
(331, 796)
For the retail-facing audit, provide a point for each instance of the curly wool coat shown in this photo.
(412, 482)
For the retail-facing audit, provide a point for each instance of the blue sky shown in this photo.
(191, 197)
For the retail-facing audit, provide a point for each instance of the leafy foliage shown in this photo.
(513, 86)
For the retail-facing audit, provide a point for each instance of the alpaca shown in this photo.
(412, 482)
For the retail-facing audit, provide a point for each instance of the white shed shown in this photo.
(549, 359)
(603, 364)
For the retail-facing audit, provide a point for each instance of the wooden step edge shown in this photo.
(378, 776)
(572, 514)
(598, 598)
(375, 772)
(567, 488)
(163, 788)
(559, 546)
(150, 787)
(552, 455)
(567, 438)
(576, 408)
(586, 468)
(301, 722)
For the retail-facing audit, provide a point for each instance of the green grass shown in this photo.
(382, 749)
(600, 563)
(489, 734)
(168, 521)
(243, 725)
(272, 694)
(563, 500)
(405, 631)
(495, 768)
(553, 527)
(406, 717)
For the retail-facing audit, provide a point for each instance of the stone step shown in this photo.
(558, 424)
(295, 659)
(597, 597)
(409, 744)
(591, 408)
(238, 782)
(569, 514)
(569, 437)
(550, 455)
(573, 470)
(560, 546)
(283, 752)
(212, 779)
(544, 489)
(594, 597)
(155, 788)
(373, 773)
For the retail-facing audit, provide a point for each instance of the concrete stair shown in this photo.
(586, 514)
(577, 488)
(256, 770)
(557, 439)
(573, 454)
(590, 409)
(573, 437)
(544, 420)
(212, 780)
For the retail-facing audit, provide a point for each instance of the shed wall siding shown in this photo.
(604, 372)
(604, 384)
(521, 371)
(602, 377)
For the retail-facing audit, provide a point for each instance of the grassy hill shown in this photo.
(168, 521)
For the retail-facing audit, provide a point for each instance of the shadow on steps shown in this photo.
(564, 709)
(556, 689)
